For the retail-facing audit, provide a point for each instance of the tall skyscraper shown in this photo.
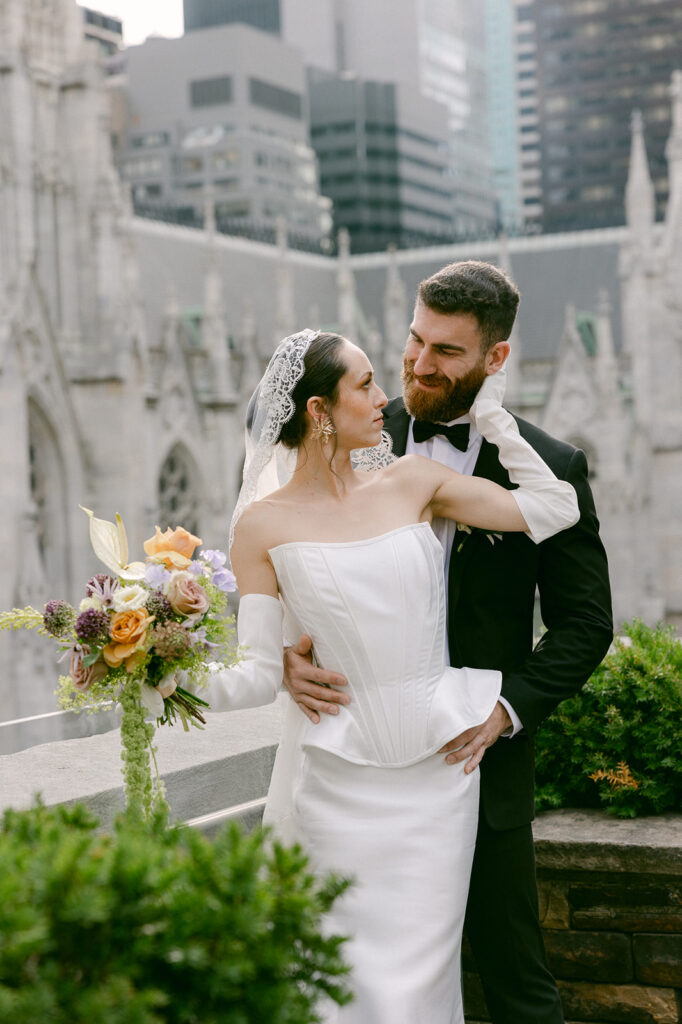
(504, 157)
(383, 159)
(582, 67)
(527, 120)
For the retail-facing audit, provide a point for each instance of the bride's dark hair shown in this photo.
(324, 368)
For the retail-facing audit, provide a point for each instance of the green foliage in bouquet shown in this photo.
(618, 742)
(156, 925)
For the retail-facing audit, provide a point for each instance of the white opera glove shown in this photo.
(257, 678)
(547, 504)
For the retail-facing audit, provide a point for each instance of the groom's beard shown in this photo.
(453, 398)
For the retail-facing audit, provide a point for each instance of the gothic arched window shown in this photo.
(178, 491)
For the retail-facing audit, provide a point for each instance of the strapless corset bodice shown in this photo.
(375, 610)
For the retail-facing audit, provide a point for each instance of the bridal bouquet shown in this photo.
(135, 628)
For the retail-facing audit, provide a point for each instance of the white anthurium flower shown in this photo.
(129, 599)
(110, 544)
(152, 700)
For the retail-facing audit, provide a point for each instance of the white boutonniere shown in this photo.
(466, 529)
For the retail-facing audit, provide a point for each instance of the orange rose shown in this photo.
(128, 632)
(174, 548)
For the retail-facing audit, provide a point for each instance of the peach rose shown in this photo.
(174, 548)
(128, 632)
(186, 596)
(83, 678)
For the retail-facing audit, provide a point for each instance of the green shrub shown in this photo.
(619, 741)
(156, 925)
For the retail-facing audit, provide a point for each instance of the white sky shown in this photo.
(141, 18)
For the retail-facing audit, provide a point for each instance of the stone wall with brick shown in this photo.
(611, 910)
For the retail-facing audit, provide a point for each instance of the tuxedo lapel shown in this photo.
(488, 466)
(397, 424)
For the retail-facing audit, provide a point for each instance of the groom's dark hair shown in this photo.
(477, 288)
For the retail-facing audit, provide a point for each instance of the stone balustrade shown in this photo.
(610, 891)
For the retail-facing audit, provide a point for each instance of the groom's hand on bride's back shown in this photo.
(309, 685)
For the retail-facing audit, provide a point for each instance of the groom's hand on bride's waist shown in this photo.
(472, 744)
(309, 685)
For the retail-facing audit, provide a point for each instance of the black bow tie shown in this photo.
(457, 434)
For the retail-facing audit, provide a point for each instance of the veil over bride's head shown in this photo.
(267, 464)
(304, 364)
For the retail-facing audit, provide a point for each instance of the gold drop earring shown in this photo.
(323, 430)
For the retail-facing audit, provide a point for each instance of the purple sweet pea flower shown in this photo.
(224, 580)
(216, 559)
(197, 637)
(196, 568)
(156, 575)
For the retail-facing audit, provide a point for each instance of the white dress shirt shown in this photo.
(440, 450)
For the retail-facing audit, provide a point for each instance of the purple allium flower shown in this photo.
(156, 575)
(216, 559)
(92, 627)
(102, 587)
(159, 606)
(59, 618)
(224, 580)
(170, 640)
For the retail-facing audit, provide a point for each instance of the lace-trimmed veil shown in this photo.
(268, 463)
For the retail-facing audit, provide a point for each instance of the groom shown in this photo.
(463, 317)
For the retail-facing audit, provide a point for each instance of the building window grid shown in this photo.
(208, 92)
(275, 98)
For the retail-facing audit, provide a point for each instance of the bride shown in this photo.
(346, 555)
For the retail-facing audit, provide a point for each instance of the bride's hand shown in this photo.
(491, 393)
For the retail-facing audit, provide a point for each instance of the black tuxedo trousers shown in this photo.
(491, 600)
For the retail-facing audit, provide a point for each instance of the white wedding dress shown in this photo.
(365, 791)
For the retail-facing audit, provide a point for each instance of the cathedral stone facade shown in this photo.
(128, 348)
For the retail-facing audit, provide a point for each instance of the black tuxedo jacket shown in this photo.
(491, 598)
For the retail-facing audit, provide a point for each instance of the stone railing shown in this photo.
(210, 775)
(610, 891)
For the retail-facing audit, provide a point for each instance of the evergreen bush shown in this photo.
(618, 743)
(157, 925)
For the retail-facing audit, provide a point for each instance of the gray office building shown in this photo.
(434, 47)
(106, 31)
(584, 68)
(222, 112)
(384, 161)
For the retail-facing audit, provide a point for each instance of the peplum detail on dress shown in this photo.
(406, 702)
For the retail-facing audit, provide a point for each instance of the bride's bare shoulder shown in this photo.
(409, 466)
(256, 525)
